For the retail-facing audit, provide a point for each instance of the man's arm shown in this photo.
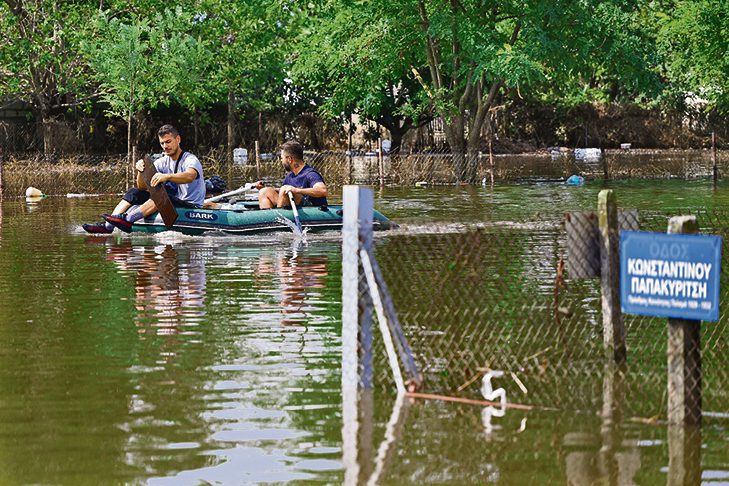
(140, 168)
(318, 190)
(185, 177)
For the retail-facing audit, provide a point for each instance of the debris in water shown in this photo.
(33, 192)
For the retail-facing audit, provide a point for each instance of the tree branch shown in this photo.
(431, 48)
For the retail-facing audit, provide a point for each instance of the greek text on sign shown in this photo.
(670, 275)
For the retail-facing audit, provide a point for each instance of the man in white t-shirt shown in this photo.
(180, 172)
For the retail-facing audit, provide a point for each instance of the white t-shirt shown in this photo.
(193, 192)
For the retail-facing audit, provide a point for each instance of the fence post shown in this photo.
(358, 207)
(612, 317)
(2, 185)
(684, 387)
(715, 170)
(380, 162)
(258, 162)
(684, 353)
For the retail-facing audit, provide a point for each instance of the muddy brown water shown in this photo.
(216, 360)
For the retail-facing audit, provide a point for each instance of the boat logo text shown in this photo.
(201, 215)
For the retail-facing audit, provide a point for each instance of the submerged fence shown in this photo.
(497, 296)
(111, 174)
(493, 317)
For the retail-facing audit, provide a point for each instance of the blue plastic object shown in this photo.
(575, 180)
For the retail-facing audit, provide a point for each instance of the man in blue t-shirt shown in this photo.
(302, 181)
(180, 172)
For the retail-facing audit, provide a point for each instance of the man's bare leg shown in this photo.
(267, 198)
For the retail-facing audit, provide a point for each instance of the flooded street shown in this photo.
(171, 359)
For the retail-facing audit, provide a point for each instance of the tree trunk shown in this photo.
(196, 126)
(47, 130)
(130, 155)
(231, 126)
(130, 122)
(454, 133)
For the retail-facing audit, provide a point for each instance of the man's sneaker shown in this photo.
(97, 228)
(118, 220)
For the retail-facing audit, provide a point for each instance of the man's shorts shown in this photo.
(139, 196)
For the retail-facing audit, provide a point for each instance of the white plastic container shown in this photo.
(240, 156)
(588, 153)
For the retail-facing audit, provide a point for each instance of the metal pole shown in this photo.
(358, 208)
(612, 317)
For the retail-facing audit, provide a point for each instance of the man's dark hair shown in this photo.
(167, 129)
(294, 149)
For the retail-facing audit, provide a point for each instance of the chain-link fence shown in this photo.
(497, 296)
(111, 174)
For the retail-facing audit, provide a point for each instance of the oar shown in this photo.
(158, 194)
(296, 213)
(241, 189)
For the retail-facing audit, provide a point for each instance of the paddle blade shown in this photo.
(296, 213)
(158, 194)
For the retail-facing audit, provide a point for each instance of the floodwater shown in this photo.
(216, 360)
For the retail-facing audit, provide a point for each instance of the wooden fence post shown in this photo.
(2, 186)
(715, 170)
(612, 317)
(380, 162)
(684, 353)
(258, 161)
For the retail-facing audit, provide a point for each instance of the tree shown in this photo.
(246, 39)
(140, 64)
(466, 53)
(40, 61)
(343, 60)
(694, 39)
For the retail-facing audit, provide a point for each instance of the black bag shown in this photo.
(215, 184)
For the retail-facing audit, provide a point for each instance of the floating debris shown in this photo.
(33, 192)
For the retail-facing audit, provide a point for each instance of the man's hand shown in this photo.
(286, 189)
(258, 185)
(159, 178)
(139, 165)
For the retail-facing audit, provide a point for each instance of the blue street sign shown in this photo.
(670, 275)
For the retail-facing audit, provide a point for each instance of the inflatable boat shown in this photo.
(249, 219)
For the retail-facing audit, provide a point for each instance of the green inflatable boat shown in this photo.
(243, 219)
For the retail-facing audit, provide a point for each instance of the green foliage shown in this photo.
(247, 40)
(40, 61)
(141, 63)
(694, 38)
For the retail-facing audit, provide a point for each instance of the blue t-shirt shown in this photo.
(193, 192)
(305, 179)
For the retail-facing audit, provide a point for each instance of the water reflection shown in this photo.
(229, 365)
(299, 279)
(169, 285)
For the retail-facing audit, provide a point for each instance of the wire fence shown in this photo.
(498, 296)
(111, 174)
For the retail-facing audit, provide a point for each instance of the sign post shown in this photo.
(675, 275)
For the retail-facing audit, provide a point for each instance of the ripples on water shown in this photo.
(169, 359)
